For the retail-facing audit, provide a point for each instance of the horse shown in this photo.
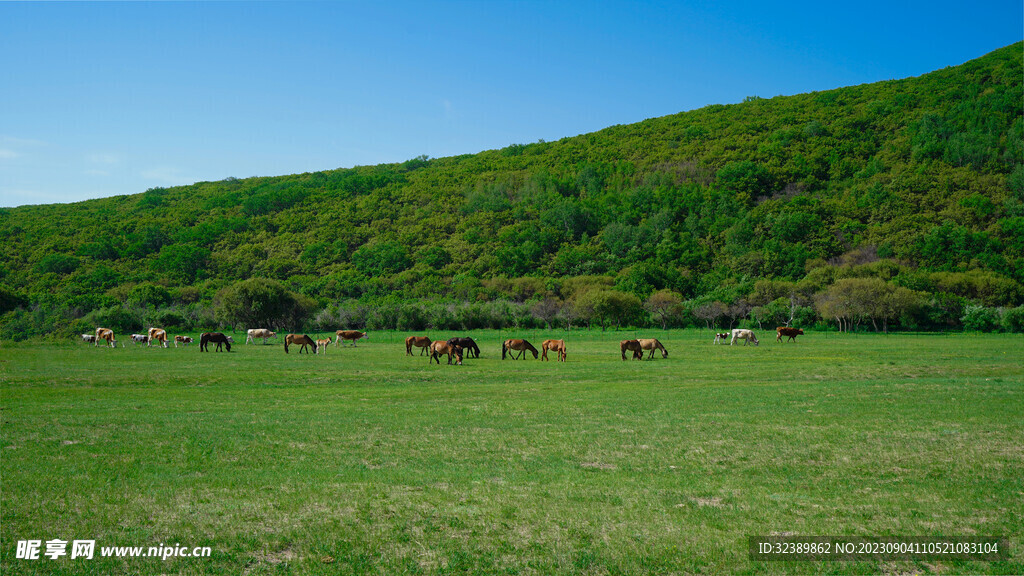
(633, 346)
(467, 344)
(442, 347)
(652, 344)
(746, 335)
(217, 338)
(556, 345)
(792, 333)
(158, 334)
(520, 345)
(421, 342)
(322, 344)
(300, 339)
(721, 337)
(352, 335)
(107, 335)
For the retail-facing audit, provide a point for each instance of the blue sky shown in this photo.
(101, 99)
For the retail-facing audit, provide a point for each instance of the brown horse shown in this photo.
(441, 347)
(556, 345)
(633, 346)
(352, 335)
(652, 344)
(520, 345)
(418, 341)
(467, 344)
(218, 338)
(300, 339)
(322, 344)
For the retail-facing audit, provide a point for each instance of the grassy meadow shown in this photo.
(367, 461)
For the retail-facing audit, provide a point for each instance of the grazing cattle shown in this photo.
(185, 340)
(300, 339)
(468, 345)
(139, 338)
(253, 333)
(652, 344)
(792, 333)
(721, 337)
(89, 338)
(322, 344)
(107, 335)
(633, 346)
(442, 347)
(746, 335)
(519, 345)
(216, 338)
(556, 345)
(352, 335)
(421, 342)
(158, 334)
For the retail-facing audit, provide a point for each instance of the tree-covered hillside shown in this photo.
(894, 203)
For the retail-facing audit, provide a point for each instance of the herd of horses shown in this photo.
(453, 348)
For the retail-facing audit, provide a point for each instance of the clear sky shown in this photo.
(100, 99)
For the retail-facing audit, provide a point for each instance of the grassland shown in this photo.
(367, 461)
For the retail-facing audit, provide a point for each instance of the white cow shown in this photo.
(89, 338)
(140, 338)
(254, 333)
(746, 335)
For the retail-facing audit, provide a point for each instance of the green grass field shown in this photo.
(368, 461)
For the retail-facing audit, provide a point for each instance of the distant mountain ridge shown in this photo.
(918, 182)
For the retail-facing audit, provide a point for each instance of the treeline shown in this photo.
(910, 189)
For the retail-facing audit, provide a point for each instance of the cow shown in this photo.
(185, 340)
(217, 338)
(158, 334)
(746, 335)
(421, 342)
(722, 337)
(107, 335)
(633, 346)
(352, 335)
(322, 344)
(139, 338)
(89, 338)
(253, 333)
(300, 339)
(652, 344)
(439, 347)
(792, 333)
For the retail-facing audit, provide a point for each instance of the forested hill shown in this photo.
(915, 183)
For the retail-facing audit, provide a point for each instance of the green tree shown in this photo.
(262, 303)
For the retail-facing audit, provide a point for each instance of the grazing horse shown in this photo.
(322, 344)
(300, 339)
(442, 347)
(467, 344)
(517, 344)
(107, 335)
(185, 340)
(218, 338)
(253, 333)
(633, 346)
(653, 344)
(421, 342)
(746, 335)
(158, 334)
(352, 335)
(792, 333)
(721, 337)
(556, 345)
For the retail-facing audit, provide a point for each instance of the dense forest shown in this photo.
(888, 206)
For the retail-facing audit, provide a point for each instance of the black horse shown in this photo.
(467, 344)
(216, 338)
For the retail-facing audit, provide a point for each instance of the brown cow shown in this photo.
(791, 332)
(421, 342)
(185, 340)
(352, 335)
(158, 334)
(107, 335)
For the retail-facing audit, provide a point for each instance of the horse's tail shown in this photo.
(504, 349)
(286, 340)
